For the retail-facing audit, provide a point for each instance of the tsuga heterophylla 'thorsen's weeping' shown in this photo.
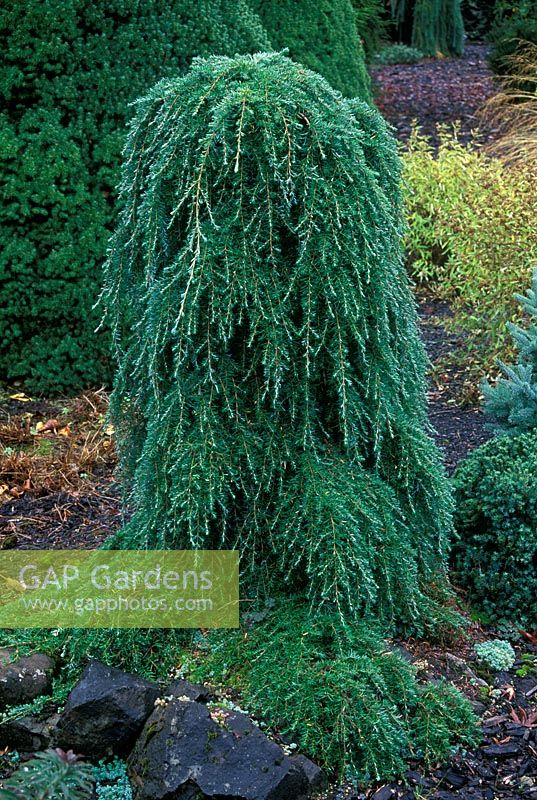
(270, 393)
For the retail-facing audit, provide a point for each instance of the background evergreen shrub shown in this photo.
(270, 394)
(478, 16)
(322, 35)
(372, 22)
(495, 557)
(512, 401)
(431, 26)
(69, 70)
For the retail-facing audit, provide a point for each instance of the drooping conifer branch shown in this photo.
(270, 394)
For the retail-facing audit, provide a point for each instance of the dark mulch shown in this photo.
(458, 428)
(70, 511)
(436, 91)
(61, 520)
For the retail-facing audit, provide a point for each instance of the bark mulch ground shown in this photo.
(433, 92)
(458, 425)
(57, 487)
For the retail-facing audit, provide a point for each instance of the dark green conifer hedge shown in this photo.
(322, 35)
(69, 70)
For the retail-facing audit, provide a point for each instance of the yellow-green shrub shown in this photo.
(472, 235)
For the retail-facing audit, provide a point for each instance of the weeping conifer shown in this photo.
(270, 395)
(431, 26)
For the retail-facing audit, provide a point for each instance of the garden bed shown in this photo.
(58, 489)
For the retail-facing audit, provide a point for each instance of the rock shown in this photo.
(416, 778)
(181, 688)
(314, 774)
(24, 679)
(184, 753)
(478, 707)
(105, 712)
(385, 793)
(27, 735)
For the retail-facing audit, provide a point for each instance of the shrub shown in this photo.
(495, 557)
(496, 654)
(372, 24)
(52, 774)
(322, 35)
(478, 16)
(151, 653)
(431, 26)
(398, 54)
(512, 401)
(514, 24)
(438, 27)
(471, 232)
(69, 71)
(288, 421)
(354, 707)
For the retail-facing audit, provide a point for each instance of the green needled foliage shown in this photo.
(350, 700)
(372, 24)
(495, 555)
(48, 775)
(431, 26)
(322, 35)
(270, 394)
(69, 71)
(512, 401)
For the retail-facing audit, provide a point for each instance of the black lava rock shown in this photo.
(181, 688)
(27, 735)
(24, 679)
(105, 712)
(184, 753)
(502, 750)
